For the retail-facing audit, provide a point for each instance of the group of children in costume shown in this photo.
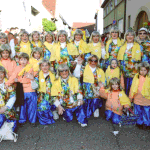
(62, 77)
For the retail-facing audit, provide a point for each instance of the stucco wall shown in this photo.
(134, 7)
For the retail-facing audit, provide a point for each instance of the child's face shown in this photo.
(35, 37)
(115, 86)
(62, 38)
(5, 54)
(25, 38)
(23, 62)
(2, 75)
(78, 37)
(96, 38)
(114, 64)
(36, 55)
(49, 38)
(3, 40)
(45, 67)
(143, 71)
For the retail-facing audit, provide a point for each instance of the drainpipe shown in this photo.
(125, 15)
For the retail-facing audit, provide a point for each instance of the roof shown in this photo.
(104, 3)
(81, 24)
(50, 5)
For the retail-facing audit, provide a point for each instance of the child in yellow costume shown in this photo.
(37, 54)
(116, 100)
(96, 46)
(112, 71)
(35, 39)
(140, 94)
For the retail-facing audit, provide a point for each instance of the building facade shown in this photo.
(137, 12)
(114, 13)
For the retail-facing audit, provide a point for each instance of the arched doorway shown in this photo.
(141, 18)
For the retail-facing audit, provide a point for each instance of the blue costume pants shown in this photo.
(91, 105)
(29, 109)
(3, 119)
(144, 114)
(114, 117)
(80, 114)
(46, 117)
(127, 83)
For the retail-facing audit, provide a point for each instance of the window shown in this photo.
(110, 5)
(115, 2)
(120, 25)
(129, 21)
(106, 10)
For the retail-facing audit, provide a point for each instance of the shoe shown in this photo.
(33, 124)
(55, 115)
(83, 125)
(96, 113)
(64, 119)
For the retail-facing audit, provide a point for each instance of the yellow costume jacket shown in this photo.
(35, 63)
(94, 50)
(72, 50)
(136, 52)
(89, 77)
(39, 44)
(145, 89)
(119, 43)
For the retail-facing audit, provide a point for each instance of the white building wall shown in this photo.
(134, 7)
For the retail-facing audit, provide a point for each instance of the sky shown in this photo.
(77, 10)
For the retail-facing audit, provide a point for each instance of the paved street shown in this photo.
(70, 136)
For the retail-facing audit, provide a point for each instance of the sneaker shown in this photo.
(83, 125)
(55, 115)
(96, 113)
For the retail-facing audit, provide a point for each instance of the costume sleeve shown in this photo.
(103, 53)
(12, 45)
(35, 83)
(122, 81)
(103, 93)
(12, 98)
(76, 72)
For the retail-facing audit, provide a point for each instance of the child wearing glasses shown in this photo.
(91, 76)
(140, 95)
(112, 71)
(116, 100)
(144, 41)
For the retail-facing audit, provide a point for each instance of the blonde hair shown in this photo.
(51, 34)
(115, 29)
(138, 39)
(2, 69)
(34, 32)
(114, 81)
(145, 65)
(45, 61)
(62, 67)
(4, 36)
(62, 32)
(24, 55)
(37, 49)
(94, 33)
(127, 33)
(5, 47)
(22, 33)
(77, 32)
(95, 56)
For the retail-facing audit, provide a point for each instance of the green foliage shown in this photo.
(48, 25)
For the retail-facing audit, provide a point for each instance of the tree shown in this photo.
(48, 25)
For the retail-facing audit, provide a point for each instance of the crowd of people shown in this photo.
(43, 79)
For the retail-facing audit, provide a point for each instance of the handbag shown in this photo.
(6, 132)
(129, 119)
